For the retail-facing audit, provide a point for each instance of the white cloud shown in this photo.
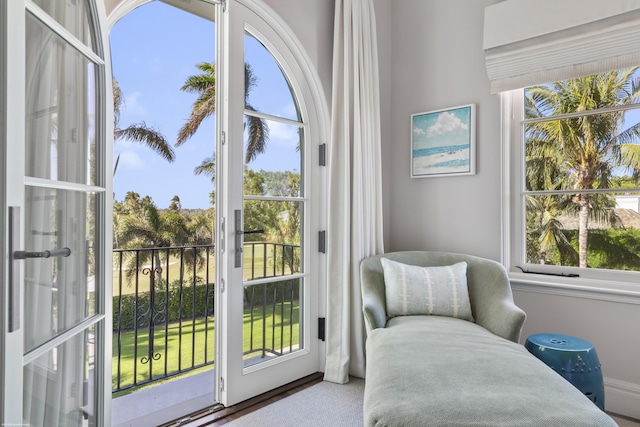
(130, 160)
(446, 123)
(419, 131)
(132, 104)
(289, 110)
(283, 135)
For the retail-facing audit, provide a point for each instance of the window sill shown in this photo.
(603, 290)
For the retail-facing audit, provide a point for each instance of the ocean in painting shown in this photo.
(441, 160)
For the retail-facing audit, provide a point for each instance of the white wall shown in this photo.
(383, 17)
(312, 23)
(437, 62)
(433, 51)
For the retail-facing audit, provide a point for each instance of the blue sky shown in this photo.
(154, 49)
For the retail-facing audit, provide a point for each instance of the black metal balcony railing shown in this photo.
(163, 313)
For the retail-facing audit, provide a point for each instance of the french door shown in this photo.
(269, 190)
(56, 201)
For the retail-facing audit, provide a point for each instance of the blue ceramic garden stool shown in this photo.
(573, 358)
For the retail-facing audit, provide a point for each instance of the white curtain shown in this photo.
(355, 183)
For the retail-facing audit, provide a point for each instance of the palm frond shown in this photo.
(201, 82)
(250, 81)
(204, 106)
(206, 168)
(258, 136)
(148, 136)
(196, 118)
(118, 102)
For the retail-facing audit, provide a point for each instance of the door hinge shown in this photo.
(321, 328)
(322, 242)
(221, 285)
(223, 137)
(221, 384)
(322, 155)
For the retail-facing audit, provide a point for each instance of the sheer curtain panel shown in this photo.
(355, 187)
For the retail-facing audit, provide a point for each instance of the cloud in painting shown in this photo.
(419, 131)
(446, 123)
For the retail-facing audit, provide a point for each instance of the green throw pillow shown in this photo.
(414, 290)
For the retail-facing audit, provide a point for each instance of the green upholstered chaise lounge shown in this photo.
(437, 370)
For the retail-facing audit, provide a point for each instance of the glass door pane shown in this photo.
(61, 108)
(72, 15)
(269, 269)
(64, 215)
(59, 386)
(60, 290)
(273, 287)
(274, 207)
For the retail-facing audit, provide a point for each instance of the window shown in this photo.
(574, 150)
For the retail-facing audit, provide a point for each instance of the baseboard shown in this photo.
(622, 397)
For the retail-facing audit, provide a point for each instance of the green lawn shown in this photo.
(202, 340)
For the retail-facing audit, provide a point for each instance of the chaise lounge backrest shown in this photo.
(489, 290)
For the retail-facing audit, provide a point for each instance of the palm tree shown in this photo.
(582, 153)
(139, 132)
(149, 231)
(175, 204)
(205, 105)
(152, 228)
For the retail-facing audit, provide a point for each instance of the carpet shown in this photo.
(323, 404)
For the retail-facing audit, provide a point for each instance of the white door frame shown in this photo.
(12, 193)
(12, 156)
(238, 383)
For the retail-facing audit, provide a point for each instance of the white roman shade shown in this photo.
(528, 42)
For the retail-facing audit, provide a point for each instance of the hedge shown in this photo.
(123, 318)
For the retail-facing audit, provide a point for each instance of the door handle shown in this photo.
(239, 234)
(13, 308)
(14, 266)
(260, 230)
(65, 252)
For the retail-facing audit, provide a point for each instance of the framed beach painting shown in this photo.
(443, 142)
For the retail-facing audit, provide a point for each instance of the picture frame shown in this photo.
(443, 142)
